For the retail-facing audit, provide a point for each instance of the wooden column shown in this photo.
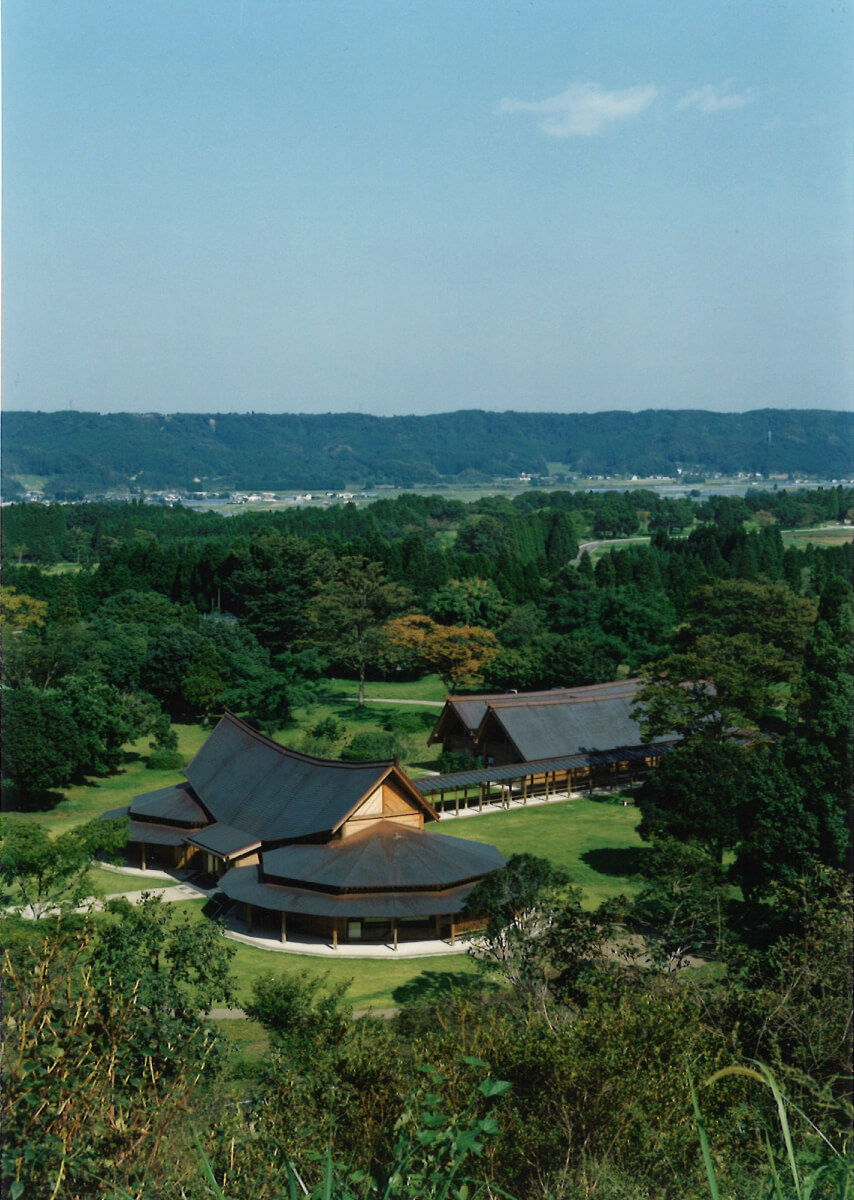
(394, 931)
(453, 932)
(480, 797)
(334, 933)
(525, 790)
(457, 802)
(142, 854)
(284, 928)
(547, 785)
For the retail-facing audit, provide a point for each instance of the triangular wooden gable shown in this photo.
(392, 795)
(449, 722)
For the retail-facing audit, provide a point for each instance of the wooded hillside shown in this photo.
(86, 452)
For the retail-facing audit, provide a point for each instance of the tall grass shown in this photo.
(794, 1172)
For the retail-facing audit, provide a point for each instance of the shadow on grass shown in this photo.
(619, 861)
(15, 801)
(351, 714)
(437, 987)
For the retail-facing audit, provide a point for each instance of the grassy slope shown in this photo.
(595, 840)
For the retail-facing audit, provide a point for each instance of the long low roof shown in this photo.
(384, 856)
(155, 835)
(222, 840)
(173, 805)
(448, 783)
(244, 885)
(472, 709)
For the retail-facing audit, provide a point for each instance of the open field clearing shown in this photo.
(827, 535)
(596, 841)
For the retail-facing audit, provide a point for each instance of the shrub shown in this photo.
(163, 759)
(371, 745)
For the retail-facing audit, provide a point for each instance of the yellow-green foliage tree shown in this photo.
(456, 653)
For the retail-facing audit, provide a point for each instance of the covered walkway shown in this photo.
(502, 787)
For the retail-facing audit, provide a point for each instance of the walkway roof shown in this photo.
(503, 774)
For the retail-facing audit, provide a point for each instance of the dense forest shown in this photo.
(573, 1064)
(79, 454)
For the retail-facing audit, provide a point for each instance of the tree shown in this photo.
(537, 935)
(41, 742)
(306, 1018)
(271, 587)
(471, 601)
(51, 872)
(683, 901)
(351, 609)
(203, 685)
(19, 611)
(734, 663)
(695, 794)
(457, 653)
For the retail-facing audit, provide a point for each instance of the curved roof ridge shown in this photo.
(380, 764)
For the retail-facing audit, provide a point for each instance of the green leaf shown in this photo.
(493, 1087)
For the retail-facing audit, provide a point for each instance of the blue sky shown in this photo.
(392, 207)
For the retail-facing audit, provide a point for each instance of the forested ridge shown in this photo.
(576, 1062)
(78, 452)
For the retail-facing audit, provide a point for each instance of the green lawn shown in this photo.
(595, 840)
(417, 724)
(83, 802)
(106, 883)
(428, 688)
(373, 982)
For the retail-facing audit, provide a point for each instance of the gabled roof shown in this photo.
(469, 711)
(251, 782)
(551, 728)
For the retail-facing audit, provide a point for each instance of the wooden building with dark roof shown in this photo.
(511, 727)
(335, 850)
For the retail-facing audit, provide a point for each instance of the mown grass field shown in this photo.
(801, 538)
(429, 688)
(596, 841)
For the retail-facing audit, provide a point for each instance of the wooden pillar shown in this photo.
(480, 797)
(334, 933)
(457, 802)
(394, 931)
(525, 790)
(547, 785)
(142, 854)
(453, 932)
(284, 928)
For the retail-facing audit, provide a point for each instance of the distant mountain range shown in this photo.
(85, 453)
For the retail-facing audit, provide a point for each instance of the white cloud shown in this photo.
(584, 109)
(713, 98)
